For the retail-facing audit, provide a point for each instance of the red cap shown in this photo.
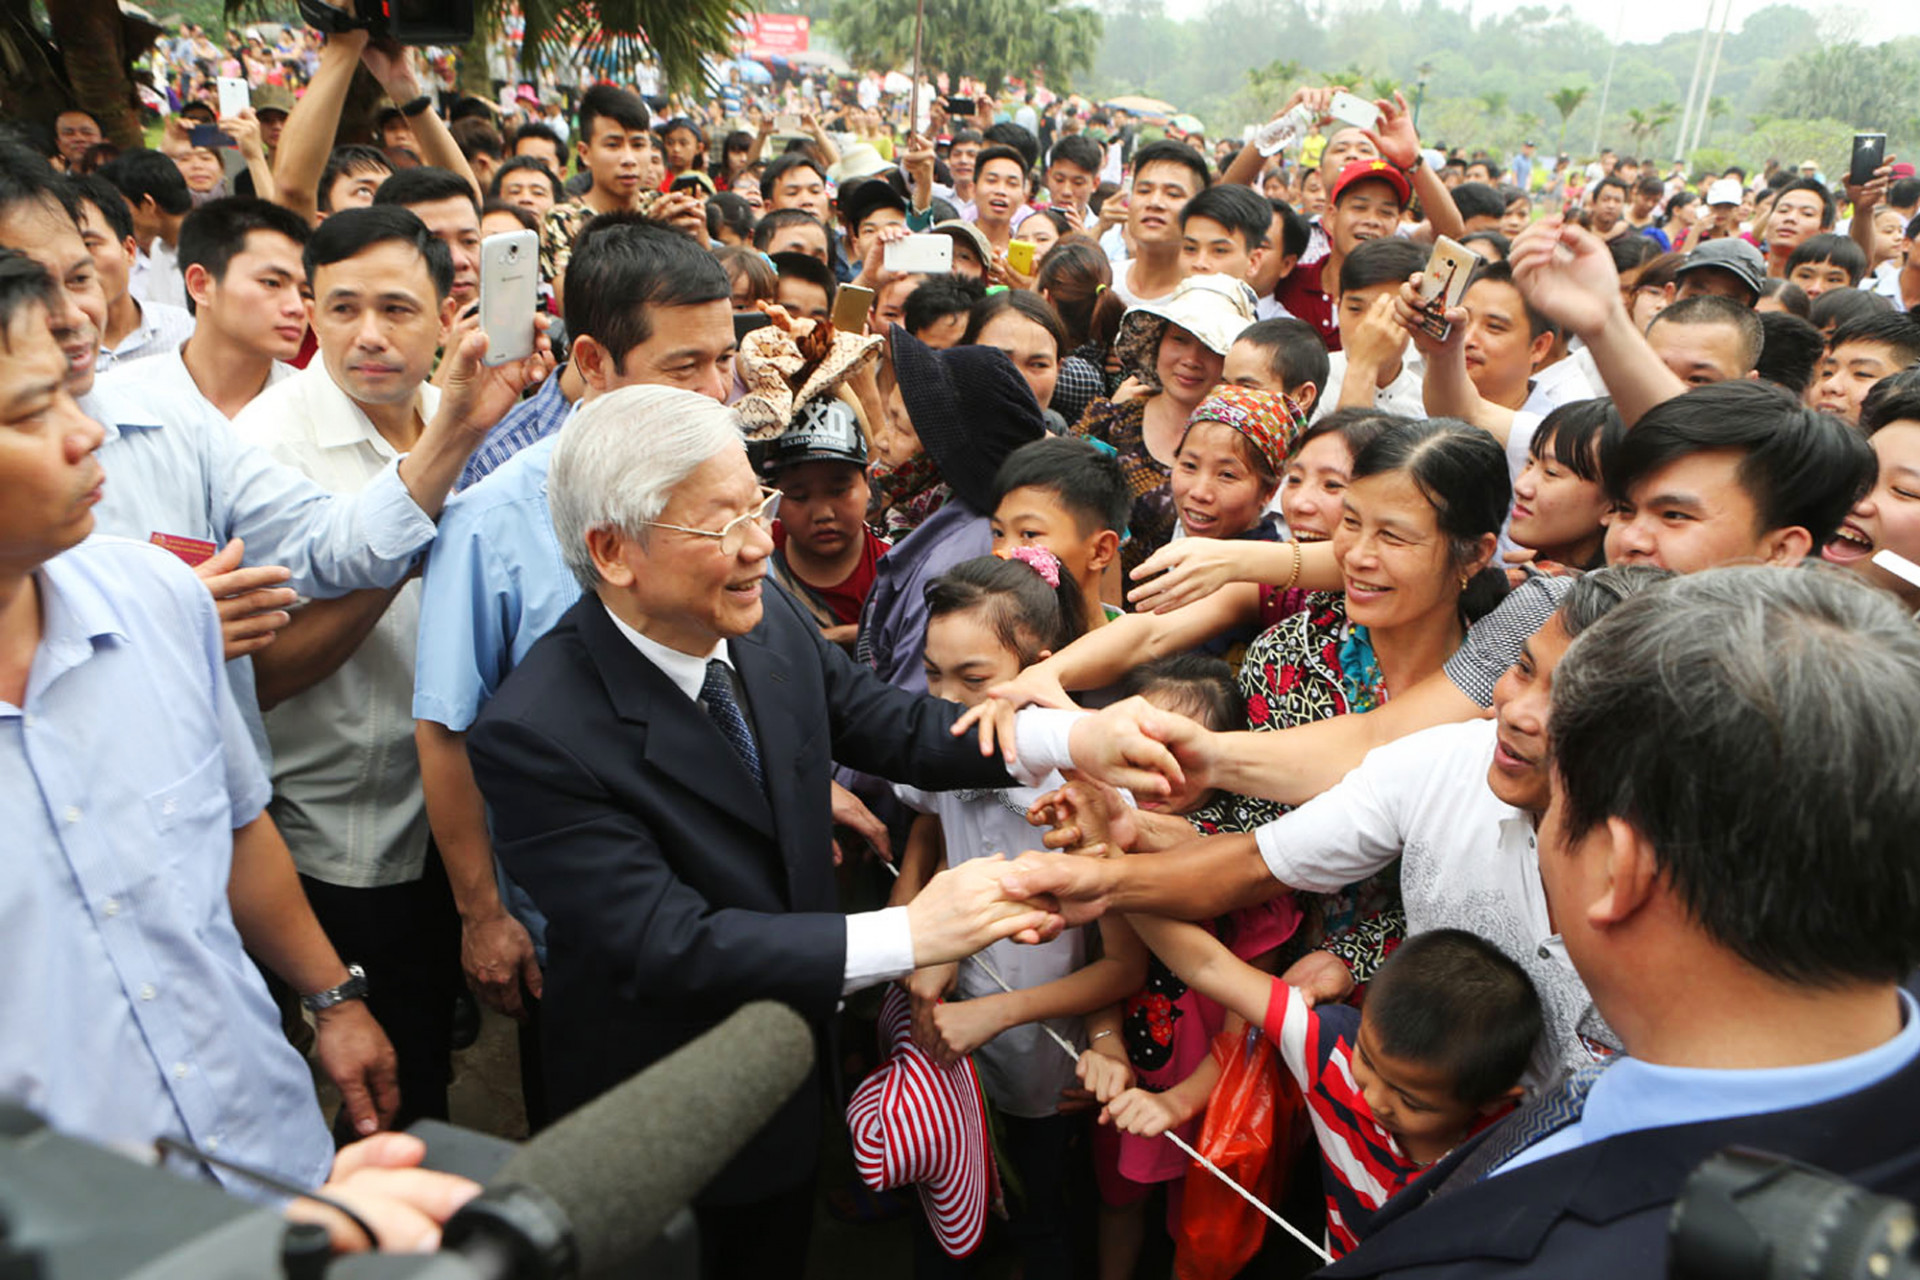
(1375, 170)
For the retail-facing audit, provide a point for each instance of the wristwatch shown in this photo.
(416, 106)
(354, 988)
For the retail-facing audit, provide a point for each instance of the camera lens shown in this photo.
(513, 252)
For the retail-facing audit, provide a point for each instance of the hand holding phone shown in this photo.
(509, 294)
(1443, 284)
(235, 96)
(1020, 256)
(1352, 109)
(928, 253)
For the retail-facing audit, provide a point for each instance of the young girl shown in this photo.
(1559, 499)
(986, 619)
(1149, 1061)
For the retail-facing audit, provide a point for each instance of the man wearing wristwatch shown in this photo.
(142, 867)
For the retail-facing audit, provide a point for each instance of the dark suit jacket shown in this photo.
(1600, 1211)
(676, 890)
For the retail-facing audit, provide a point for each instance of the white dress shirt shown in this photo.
(879, 943)
(156, 276)
(346, 778)
(1404, 396)
(1467, 861)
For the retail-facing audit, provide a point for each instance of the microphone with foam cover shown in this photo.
(619, 1168)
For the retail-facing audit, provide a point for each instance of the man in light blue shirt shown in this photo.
(144, 867)
(183, 478)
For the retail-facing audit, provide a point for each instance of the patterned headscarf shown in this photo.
(1273, 424)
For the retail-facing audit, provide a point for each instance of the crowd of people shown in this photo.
(1162, 629)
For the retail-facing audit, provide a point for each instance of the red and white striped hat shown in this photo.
(916, 1121)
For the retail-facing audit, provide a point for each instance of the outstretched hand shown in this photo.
(1567, 273)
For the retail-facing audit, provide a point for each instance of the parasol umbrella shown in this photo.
(1188, 124)
(752, 72)
(1140, 106)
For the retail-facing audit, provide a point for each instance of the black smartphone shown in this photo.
(209, 136)
(745, 322)
(1869, 152)
(961, 106)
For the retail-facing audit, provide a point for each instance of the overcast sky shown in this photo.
(1654, 19)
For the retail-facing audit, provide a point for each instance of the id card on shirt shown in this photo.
(192, 550)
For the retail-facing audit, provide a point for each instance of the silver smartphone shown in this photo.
(509, 294)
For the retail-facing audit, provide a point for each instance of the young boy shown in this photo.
(806, 286)
(1284, 356)
(1073, 172)
(1824, 262)
(1071, 498)
(1449, 1026)
(1389, 374)
(1224, 229)
(1861, 352)
(823, 552)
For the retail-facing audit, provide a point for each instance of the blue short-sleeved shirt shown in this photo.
(133, 1012)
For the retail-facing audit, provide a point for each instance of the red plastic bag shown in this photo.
(1248, 1134)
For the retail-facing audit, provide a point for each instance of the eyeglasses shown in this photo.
(732, 535)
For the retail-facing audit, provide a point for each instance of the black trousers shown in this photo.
(407, 938)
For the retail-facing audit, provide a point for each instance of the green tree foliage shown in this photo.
(1876, 86)
(989, 39)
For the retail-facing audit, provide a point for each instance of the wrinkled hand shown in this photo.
(1394, 136)
(1567, 272)
(1105, 1075)
(961, 1026)
(1320, 977)
(1143, 1114)
(251, 602)
(497, 954)
(380, 1179)
(1135, 745)
(966, 908)
(1374, 342)
(476, 395)
(357, 1056)
(1078, 885)
(1183, 571)
(848, 810)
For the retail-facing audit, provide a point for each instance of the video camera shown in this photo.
(1749, 1215)
(602, 1192)
(446, 22)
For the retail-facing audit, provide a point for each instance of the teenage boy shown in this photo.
(1000, 193)
(796, 181)
(1288, 236)
(1824, 262)
(866, 209)
(245, 283)
(1861, 352)
(1284, 357)
(1386, 374)
(542, 144)
(805, 287)
(824, 553)
(1073, 171)
(134, 328)
(1166, 175)
(1071, 498)
(614, 149)
(1365, 204)
(961, 154)
(1802, 210)
(1224, 230)
(160, 202)
(792, 231)
(348, 179)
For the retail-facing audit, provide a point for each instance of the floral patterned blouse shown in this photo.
(1293, 675)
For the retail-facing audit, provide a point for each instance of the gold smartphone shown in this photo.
(850, 308)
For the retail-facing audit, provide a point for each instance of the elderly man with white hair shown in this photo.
(656, 770)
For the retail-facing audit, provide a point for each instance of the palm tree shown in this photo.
(1566, 101)
(1495, 103)
(991, 39)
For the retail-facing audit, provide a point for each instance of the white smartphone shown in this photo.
(509, 294)
(929, 253)
(235, 96)
(1352, 109)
